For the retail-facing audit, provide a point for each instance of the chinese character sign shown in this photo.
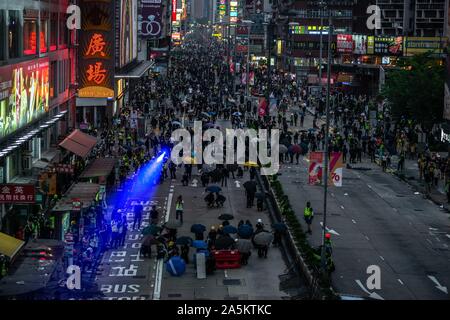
(96, 61)
(17, 193)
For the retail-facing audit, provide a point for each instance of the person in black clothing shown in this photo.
(225, 176)
(137, 216)
(252, 173)
(212, 235)
(185, 253)
(172, 170)
(154, 215)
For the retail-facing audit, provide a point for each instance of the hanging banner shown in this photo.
(315, 168)
(359, 44)
(336, 167)
(151, 25)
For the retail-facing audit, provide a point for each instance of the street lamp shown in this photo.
(248, 23)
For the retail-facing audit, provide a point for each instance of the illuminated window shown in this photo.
(43, 34)
(29, 37)
(13, 33)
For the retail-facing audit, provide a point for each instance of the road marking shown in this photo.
(159, 268)
(342, 207)
(381, 257)
(346, 194)
(429, 241)
(354, 221)
(226, 273)
(371, 294)
(330, 230)
(332, 194)
(395, 209)
(367, 238)
(448, 236)
(369, 186)
(401, 282)
(438, 285)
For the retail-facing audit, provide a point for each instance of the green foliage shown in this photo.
(416, 89)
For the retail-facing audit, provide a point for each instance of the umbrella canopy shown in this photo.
(226, 216)
(223, 242)
(212, 113)
(260, 195)
(244, 245)
(283, 148)
(213, 189)
(184, 240)
(295, 149)
(245, 231)
(230, 229)
(305, 148)
(176, 123)
(176, 266)
(311, 129)
(205, 114)
(198, 228)
(152, 229)
(173, 224)
(280, 227)
(250, 186)
(237, 114)
(251, 164)
(263, 238)
(199, 244)
(184, 102)
(191, 111)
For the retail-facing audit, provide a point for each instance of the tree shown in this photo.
(416, 90)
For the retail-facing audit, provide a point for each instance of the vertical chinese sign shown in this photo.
(96, 60)
(17, 193)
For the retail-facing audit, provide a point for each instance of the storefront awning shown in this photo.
(79, 143)
(10, 246)
(84, 191)
(99, 168)
(136, 72)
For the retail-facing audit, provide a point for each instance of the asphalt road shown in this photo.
(377, 220)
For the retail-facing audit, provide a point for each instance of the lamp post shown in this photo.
(249, 24)
(327, 129)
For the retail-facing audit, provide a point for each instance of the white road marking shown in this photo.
(429, 241)
(371, 294)
(401, 282)
(346, 194)
(226, 273)
(353, 221)
(369, 186)
(342, 207)
(395, 209)
(438, 285)
(159, 268)
(448, 236)
(381, 257)
(367, 238)
(332, 194)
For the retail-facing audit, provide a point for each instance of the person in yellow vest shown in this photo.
(179, 208)
(309, 215)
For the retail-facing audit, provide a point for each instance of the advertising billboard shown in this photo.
(151, 26)
(17, 193)
(344, 43)
(127, 32)
(24, 94)
(96, 53)
(359, 44)
(388, 46)
(417, 45)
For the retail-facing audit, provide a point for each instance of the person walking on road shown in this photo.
(309, 215)
(137, 216)
(154, 215)
(124, 230)
(179, 208)
(225, 175)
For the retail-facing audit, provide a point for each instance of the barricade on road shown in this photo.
(227, 259)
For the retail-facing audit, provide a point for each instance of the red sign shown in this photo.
(344, 43)
(315, 168)
(174, 10)
(17, 193)
(262, 107)
(76, 204)
(64, 168)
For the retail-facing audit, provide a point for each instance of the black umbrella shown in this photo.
(213, 189)
(198, 228)
(250, 186)
(223, 242)
(226, 216)
(263, 238)
(184, 240)
(280, 227)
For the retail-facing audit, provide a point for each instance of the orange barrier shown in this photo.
(227, 259)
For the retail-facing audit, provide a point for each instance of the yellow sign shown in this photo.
(370, 45)
(95, 92)
(417, 45)
(279, 47)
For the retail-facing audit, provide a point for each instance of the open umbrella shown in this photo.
(237, 114)
(280, 227)
(176, 123)
(184, 240)
(205, 114)
(198, 228)
(260, 195)
(199, 244)
(212, 113)
(295, 149)
(245, 231)
(283, 148)
(244, 245)
(172, 224)
(250, 186)
(263, 238)
(226, 216)
(191, 111)
(152, 229)
(229, 229)
(213, 189)
(223, 242)
(176, 266)
(251, 164)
